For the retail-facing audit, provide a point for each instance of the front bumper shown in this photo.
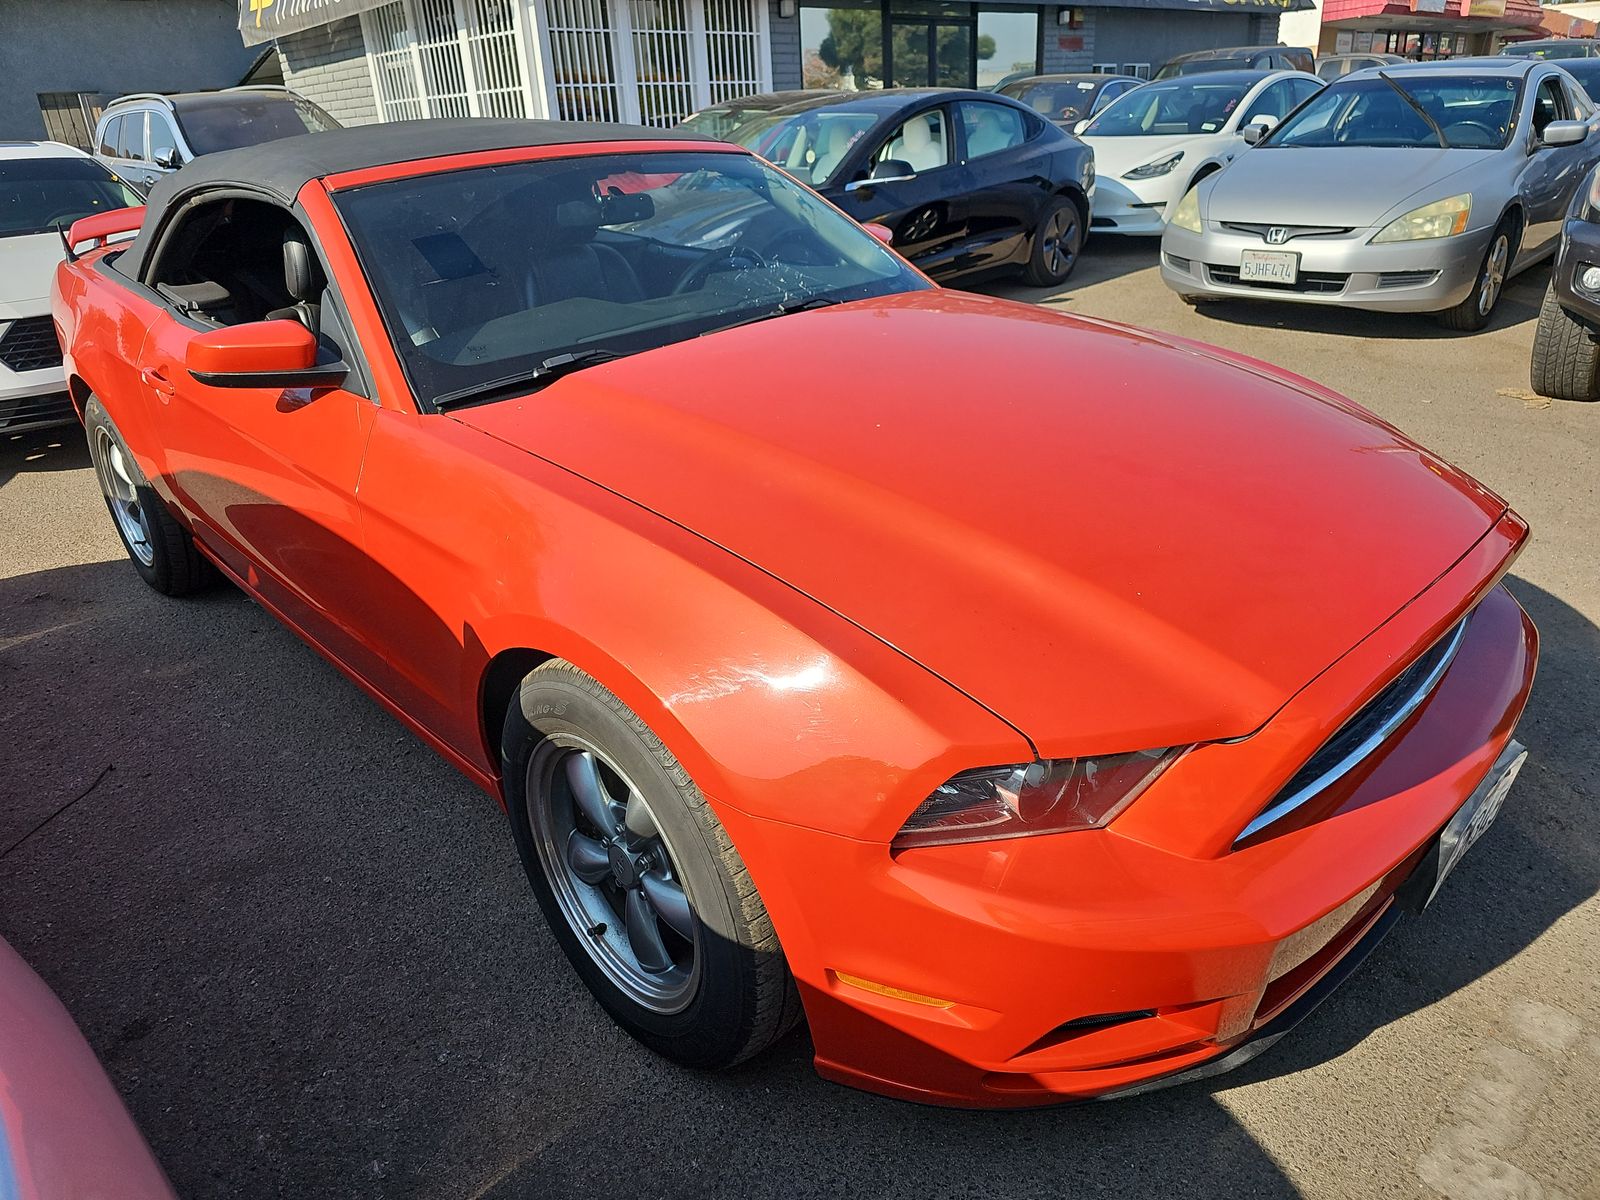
(1580, 249)
(1347, 270)
(1092, 964)
(33, 387)
(1136, 206)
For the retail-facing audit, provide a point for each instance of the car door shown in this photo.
(922, 209)
(164, 153)
(1007, 181)
(268, 477)
(133, 162)
(1551, 172)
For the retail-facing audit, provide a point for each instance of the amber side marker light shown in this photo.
(894, 993)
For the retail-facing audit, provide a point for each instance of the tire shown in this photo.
(1056, 243)
(1473, 313)
(710, 999)
(160, 549)
(1566, 360)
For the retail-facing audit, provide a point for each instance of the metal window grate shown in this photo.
(446, 58)
(30, 344)
(662, 60)
(733, 49)
(583, 62)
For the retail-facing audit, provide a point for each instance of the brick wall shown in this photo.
(328, 65)
(785, 36)
(1067, 51)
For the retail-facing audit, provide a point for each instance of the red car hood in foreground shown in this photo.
(1112, 541)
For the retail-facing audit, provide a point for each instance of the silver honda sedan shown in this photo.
(1419, 187)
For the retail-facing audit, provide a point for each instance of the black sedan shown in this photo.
(968, 183)
(1068, 99)
(1566, 356)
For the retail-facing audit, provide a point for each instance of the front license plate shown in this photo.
(1269, 266)
(1478, 813)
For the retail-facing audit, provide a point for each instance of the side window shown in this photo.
(991, 128)
(923, 142)
(1549, 104)
(108, 137)
(1274, 101)
(1582, 104)
(1301, 90)
(162, 140)
(1334, 69)
(1107, 94)
(130, 142)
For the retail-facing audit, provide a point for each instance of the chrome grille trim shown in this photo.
(1384, 713)
(1259, 229)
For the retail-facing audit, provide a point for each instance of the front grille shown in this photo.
(30, 345)
(1363, 733)
(1290, 232)
(1326, 283)
(1395, 279)
(36, 412)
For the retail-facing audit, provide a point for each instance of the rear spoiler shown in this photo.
(99, 227)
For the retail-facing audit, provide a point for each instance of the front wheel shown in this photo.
(1566, 360)
(1473, 313)
(637, 878)
(1057, 240)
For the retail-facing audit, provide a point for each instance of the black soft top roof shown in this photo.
(283, 167)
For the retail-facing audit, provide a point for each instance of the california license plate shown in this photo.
(1478, 813)
(1269, 266)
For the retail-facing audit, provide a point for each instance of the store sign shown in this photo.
(1432, 6)
(262, 20)
(1483, 8)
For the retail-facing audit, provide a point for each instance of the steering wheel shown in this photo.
(734, 258)
(1491, 135)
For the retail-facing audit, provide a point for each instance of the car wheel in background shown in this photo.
(1057, 240)
(1566, 360)
(637, 877)
(1474, 312)
(161, 549)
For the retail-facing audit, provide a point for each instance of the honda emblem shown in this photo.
(1277, 235)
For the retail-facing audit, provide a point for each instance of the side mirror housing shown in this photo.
(1078, 129)
(1564, 133)
(882, 232)
(261, 354)
(168, 160)
(1258, 128)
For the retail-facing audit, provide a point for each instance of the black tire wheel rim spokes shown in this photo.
(1060, 232)
(614, 874)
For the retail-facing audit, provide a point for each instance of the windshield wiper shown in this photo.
(783, 310)
(1444, 142)
(547, 371)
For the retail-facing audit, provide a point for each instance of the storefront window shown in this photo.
(1008, 44)
(842, 46)
(914, 43)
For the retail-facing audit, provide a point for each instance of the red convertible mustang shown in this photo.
(1047, 708)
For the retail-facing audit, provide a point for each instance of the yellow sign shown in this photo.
(1483, 8)
(258, 7)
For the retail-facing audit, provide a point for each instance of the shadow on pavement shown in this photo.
(59, 449)
(304, 948)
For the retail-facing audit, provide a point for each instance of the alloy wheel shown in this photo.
(122, 495)
(1059, 234)
(1494, 274)
(613, 873)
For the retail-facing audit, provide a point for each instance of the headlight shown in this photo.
(1187, 214)
(1052, 796)
(1162, 166)
(1442, 218)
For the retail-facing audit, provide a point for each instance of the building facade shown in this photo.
(61, 61)
(1426, 29)
(654, 62)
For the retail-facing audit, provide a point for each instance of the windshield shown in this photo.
(1179, 106)
(1475, 112)
(1547, 50)
(42, 195)
(243, 119)
(1057, 100)
(483, 275)
(719, 122)
(812, 145)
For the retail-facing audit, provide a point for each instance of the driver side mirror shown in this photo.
(168, 160)
(1564, 133)
(1258, 128)
(1078, 129)
(261, 354)
(882, 232)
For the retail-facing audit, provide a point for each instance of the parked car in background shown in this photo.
(969, 183)
(141, 137)
(64, 1132)
(1553, 48)
(1566, 356)
(720, 120)
(823, 648)
(1585, 70)
(1154, 143)
(1068, 99)
(1239, 58)
(1334, 66)
(44, 188)
(1418, 188)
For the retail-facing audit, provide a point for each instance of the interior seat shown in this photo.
(836, 141)
(302, 280)
(573, 265)
(916, 145)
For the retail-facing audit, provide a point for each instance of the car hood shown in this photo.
(27, 264)
(1311, 185)
(1113, 156)
(1112, 541)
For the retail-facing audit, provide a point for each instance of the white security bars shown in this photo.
(447, 58)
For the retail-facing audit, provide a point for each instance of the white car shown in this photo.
(1151, 145)
(44, 187)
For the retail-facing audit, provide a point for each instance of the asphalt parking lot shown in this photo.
(304, 950)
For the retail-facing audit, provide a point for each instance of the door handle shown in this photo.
(156, 381)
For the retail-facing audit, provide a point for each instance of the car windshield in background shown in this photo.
(1056, 101)
(1474, 112)
(721, 121)
(41, 195)
(1549, 50)
(1180, 106)
(488, 278)
(812, 145)
(233, 120)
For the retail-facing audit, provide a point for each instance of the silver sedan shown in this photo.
(1413, 188)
